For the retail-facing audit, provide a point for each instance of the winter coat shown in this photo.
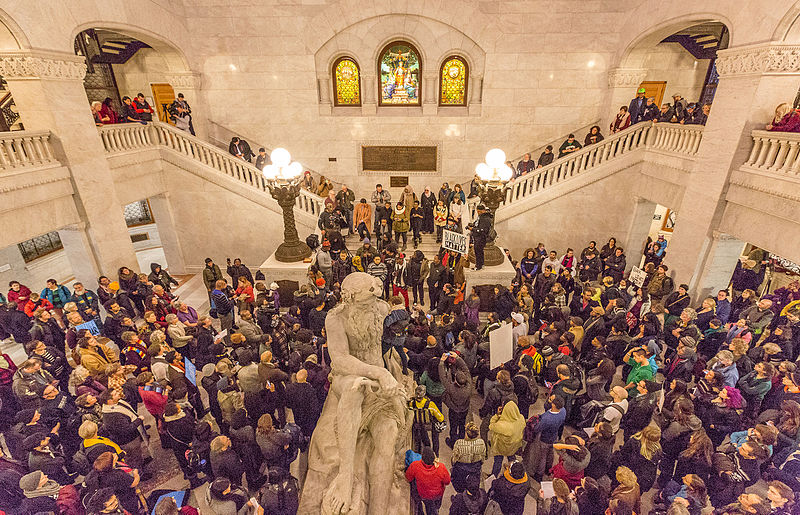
(456, 397)
(161, 277)
(21, 297)
(95, 362)
(57, 297)
(431, 480)
(506, 431)
(211, 275)
(509, 495)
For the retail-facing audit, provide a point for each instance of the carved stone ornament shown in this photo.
(626, 77)
(759, 59)
(184, 80)
(42, 66)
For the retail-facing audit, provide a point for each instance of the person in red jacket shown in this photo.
(18, 293)
(35, 302)
(431, 478)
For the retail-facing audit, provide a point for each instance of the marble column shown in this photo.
(161, 208)
(188, 83)
(723, 253)
(641, 220)
(78, 249)
(753, 80)
(48, 90)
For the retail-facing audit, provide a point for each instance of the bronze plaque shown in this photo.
(386, 158)
(398, 181)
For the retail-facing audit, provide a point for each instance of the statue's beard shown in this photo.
(364, 325)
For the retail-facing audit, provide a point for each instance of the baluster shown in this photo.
(774, 144)
(4, 162)
(783, 149)
(681, 140)
(791, 157)
(795, 167)
(11, 152)
(36, 143)
(758, 142)
(28, 151)
(697, 142)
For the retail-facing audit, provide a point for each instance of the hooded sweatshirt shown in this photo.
(506, 430)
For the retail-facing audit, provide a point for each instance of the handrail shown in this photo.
(26, 149)
(131, 136)
(535, 153)
(775, 152)
(669, 137)
(223, 140)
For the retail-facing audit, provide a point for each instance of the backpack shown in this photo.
(281, 497)
(533, 386)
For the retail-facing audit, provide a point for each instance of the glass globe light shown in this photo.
(505, 172)
(495, 158)
(280, 157)
(295, 169)
(270, 172)
(483, 172)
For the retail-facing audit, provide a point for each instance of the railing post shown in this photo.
(782, 149)
(758, 142)
(791, 157)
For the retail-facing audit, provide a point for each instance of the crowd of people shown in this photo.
(139, 110)
(705, 398)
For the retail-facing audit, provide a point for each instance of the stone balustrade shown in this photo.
(666, 137)
(26, 149)
(133, 136)
(775, 152)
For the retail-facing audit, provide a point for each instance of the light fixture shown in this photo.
(282, 179)
(495, 169)
(282, 170)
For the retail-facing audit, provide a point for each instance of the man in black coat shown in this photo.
(302, 399)
(178, 434)
(480, 234)
(46, 329)
(637, 106)
(16, 323)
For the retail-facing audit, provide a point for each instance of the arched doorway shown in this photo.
(124, 63)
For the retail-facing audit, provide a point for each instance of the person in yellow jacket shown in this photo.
(439, 219)
(426, 414)
(505, 433)
(94, 445)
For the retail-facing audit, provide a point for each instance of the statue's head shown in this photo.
(359, 287)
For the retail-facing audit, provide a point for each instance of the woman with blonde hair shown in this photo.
(628, 490)
(786, 119)
(505, 430)
(642, 453)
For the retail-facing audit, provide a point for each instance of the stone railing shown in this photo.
(775, 152)
(133, 136)
(221, 136)
(668, 137)
(25, 149)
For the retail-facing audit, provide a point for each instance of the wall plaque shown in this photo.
(396, 158)
(398, 181)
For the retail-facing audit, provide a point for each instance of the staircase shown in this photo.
(670, 138)
(233, 173)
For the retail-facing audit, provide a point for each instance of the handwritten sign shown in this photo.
(455, 241)
(637, 276)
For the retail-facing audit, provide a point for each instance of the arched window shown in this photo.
(453, 79)
(346, 82)
(399, 75)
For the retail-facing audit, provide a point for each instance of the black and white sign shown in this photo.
(455, 241)
(637, 276)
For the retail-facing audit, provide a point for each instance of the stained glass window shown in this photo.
(346, 82)
(453, 82)
(399, 75)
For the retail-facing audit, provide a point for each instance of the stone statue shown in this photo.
(355, 460)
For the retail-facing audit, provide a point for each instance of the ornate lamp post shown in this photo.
(282, 177)
(494, 174)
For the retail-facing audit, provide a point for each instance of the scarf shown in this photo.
(179, 366)
(88, 442)
(49, 489)
(510, 478)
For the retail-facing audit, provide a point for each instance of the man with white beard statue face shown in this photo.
(355, 460)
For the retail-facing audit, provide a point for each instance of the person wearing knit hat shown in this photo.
(431, 478)
(40, 493)
(510, 489)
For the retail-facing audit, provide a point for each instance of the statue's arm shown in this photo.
(342, 362)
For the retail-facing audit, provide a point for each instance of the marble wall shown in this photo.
(683, 73)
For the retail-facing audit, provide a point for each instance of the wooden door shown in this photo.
(163, 95)
(654, 89)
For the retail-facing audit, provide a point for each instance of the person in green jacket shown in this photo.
(211, 274)
(401, 223)
(637, 358)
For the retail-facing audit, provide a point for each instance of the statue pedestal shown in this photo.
(503, 274)
(275, 270)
